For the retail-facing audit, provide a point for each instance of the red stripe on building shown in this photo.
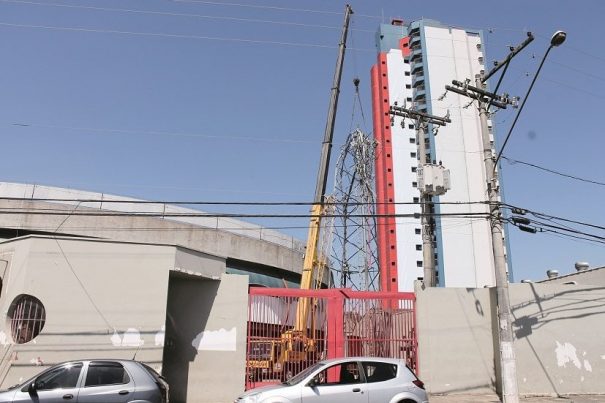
(385, 188)
(404, 45)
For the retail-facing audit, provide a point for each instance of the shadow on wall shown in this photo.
(555, 310)
(482, 311)
(561, 306)
(189, 304)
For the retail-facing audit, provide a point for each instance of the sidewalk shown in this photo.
(456, 398)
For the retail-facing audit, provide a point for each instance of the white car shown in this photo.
(345, 380)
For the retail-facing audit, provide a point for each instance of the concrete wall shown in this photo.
(174, 308)
(205, 352)
(456, 352)
(559, 332)
(95, 300)
(227, 237)
(560, 338)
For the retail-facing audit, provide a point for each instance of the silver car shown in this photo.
(345, 380)
(92, 381)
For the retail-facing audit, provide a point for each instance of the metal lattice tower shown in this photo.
(354, 254)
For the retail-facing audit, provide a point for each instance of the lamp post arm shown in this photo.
(510, 131)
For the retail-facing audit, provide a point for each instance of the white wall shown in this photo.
(467, 252)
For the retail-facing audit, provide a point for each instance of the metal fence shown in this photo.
(341, 323)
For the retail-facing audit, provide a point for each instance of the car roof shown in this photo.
(362, 358)
(120, 360)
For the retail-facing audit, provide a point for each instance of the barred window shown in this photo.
(27, 317)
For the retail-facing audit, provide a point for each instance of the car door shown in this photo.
(106, 382)
(382, 382)
(58, 384)
(339, 383)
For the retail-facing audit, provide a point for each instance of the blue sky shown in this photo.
(227, 101)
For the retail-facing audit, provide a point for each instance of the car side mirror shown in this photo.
(32, 388)
(312, 383)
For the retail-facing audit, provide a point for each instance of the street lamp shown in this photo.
(556, 40)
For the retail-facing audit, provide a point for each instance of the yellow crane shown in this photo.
(297, 344)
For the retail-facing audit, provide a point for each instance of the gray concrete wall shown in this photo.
(224, 237)
(559, 332)
(95, 300)
(206, 338)
(594, 277)
(560, 338)
(454, 328)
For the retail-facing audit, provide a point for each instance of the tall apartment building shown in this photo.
(415, 63)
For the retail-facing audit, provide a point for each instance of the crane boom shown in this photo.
(317, 209)
(297, 345)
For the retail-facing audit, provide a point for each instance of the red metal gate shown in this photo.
(342, 323)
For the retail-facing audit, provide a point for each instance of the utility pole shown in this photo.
(485, 99)
(426, 172)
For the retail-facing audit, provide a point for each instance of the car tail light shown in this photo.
(418, 383)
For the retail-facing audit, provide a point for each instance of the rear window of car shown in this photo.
(379, 371)
(156, 376)
(106, 373)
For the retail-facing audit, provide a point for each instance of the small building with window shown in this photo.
(123, 281)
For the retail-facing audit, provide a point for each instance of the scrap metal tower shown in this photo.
(354, 252)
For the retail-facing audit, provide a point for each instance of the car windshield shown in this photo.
(303, 374)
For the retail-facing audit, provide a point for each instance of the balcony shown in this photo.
(417, 68)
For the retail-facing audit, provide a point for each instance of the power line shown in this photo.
(178, 36)
(298, 10)
(469, 221)
(549, 216)
(173, 14)
(167, 133)
(579, 71)
(220, 203)
(575, 88)
(95, 213)
(552, 171)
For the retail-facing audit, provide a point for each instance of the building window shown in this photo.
(408, 86)
(413, 154)
(418, 247)
(412, 140)
(27, 317)
(411, 126)
(414, 169)
(416, 199)
(418, 263)
(409, 99)
(406, 61)
(417, 231)
(414, 184)
(407, 73)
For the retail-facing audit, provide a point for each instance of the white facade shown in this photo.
(433, 55)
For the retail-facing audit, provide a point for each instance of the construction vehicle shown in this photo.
(297, 346)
